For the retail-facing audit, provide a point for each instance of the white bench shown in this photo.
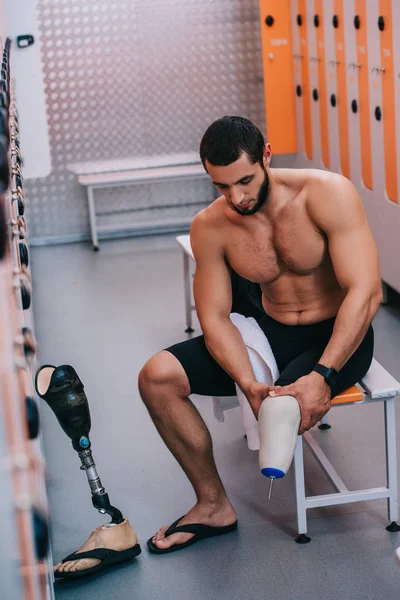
(131, 171)
(377, 386)
(187, 255)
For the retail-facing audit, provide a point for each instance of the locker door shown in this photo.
(364, 92)
(22, 19)
(319, 24)
(315, 92)
(386, 28)
(353, 106)
(332, 91)
(298, 79)
(375, 86)
(278, 75)
(338, 23)
(305, 76)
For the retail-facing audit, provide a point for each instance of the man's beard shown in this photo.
(262, 198)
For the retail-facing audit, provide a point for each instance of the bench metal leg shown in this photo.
(391, 463)
(300, 493)
(92, 217)
(188, 297)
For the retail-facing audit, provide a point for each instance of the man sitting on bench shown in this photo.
(293, 249)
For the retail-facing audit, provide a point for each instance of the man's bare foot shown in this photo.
(215, 515)
(118, 537)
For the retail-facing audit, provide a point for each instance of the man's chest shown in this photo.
(263, 256)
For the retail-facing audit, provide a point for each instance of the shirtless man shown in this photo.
(299, 238)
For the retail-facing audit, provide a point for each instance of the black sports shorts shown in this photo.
(297, 348)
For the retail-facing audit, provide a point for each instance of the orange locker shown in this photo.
(341, 67)
(278, 75)
(305, 76)
(319, 23)
(385, 24)
(360, 23)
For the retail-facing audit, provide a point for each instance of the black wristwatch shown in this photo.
(330, 375)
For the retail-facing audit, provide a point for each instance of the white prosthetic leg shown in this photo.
(278, 425)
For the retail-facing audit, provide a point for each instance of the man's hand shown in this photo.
(313, 395)
(256, 393)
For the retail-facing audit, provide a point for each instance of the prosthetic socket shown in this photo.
(63, 391)
(278, 427)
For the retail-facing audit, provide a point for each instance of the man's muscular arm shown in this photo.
(213, 300)
(338, 213)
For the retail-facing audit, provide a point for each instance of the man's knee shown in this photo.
(163, 370)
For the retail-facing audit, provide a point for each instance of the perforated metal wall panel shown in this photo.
(133, 78)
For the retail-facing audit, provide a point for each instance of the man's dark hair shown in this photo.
(227, 138)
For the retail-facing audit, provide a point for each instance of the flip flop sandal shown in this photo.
(108, 558)
(201, 532)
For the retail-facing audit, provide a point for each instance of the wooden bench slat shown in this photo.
(352, 394)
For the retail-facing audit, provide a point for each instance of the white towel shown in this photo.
(264, 367)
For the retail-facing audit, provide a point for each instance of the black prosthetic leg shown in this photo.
(63, 391)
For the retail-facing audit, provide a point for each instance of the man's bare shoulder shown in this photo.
(324, 187)
(206, 228)
(302, 177)
(331, 197)
(212, 215)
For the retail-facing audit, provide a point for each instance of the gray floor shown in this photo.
(105, 314)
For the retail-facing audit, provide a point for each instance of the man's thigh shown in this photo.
(355, 368)
(205, 375)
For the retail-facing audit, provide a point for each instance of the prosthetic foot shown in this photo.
(61, 388)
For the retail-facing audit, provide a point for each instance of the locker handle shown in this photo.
(41, 534)
(33, 419)
(333, 100)
(23, 254)
(316, 20)
(378, 113)
(335, 21)
(3, 232)
(24, 41)
(381, 23)
(354, 106)
(26, 295)
(29, 342)
(299, 91)
(357, 22)
(299, 20)
(269, 20)
(315, 95)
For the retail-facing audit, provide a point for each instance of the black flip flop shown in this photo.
(108, 559)
(201, 532)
